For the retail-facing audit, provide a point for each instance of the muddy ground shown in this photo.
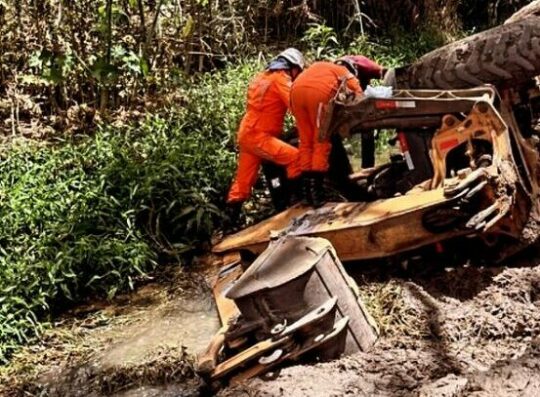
(141, 344)
(468, 329)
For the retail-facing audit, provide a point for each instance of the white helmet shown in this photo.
(293, 56)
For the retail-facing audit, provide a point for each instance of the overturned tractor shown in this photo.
(467, 171)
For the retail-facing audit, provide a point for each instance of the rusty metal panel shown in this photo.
(356, 230)
(259, 234)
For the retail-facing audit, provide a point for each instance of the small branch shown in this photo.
(18, 120)
(59, 18)
(13, 129)
(104, 94)
(109, 30)
(155, 22)
(143, 21)
(359, 15)
(12, 92)
(150, 34)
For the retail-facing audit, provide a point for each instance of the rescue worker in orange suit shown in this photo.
(268, 100)
(310, 93)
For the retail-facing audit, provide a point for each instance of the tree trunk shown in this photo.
(104, 96)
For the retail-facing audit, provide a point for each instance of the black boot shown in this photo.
(295, 190)
(305, 188)
(318, 195)
(232, 216)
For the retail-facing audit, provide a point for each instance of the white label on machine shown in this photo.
(275, 183)
(409, 161)
(406, 104)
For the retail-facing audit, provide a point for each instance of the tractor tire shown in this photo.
(525, 12)
(502, 56)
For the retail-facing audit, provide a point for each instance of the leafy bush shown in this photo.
(322, 41)
(397, 49)
(92, 216)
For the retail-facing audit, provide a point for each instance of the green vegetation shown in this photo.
(402, 48)
(95, 214)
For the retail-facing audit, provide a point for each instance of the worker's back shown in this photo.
(267, 101)
(321, 76)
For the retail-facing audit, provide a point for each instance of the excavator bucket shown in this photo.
(295, 300)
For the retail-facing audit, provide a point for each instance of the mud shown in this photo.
(141, 344)
(183, 322)
(459, 331)
(466, 330)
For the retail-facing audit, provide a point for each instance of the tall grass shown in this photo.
(95, 215)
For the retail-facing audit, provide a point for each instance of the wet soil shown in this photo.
(460, 330)
(141, 344)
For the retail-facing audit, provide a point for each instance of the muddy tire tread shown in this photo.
(505, 55)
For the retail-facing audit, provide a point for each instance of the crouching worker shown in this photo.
(310, 95)
(268, 99)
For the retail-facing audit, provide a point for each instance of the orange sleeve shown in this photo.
(352, 82)
(283, 87)
(354, 85)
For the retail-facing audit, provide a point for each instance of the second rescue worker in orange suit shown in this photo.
(268, 100)
(311, 91)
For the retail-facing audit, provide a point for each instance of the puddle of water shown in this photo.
(182, 323)
(165, 391)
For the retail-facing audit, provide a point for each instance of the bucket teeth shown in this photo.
(312, 331)
(320, 344)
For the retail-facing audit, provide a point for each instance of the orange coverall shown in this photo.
(310, 92)
(268, 99)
